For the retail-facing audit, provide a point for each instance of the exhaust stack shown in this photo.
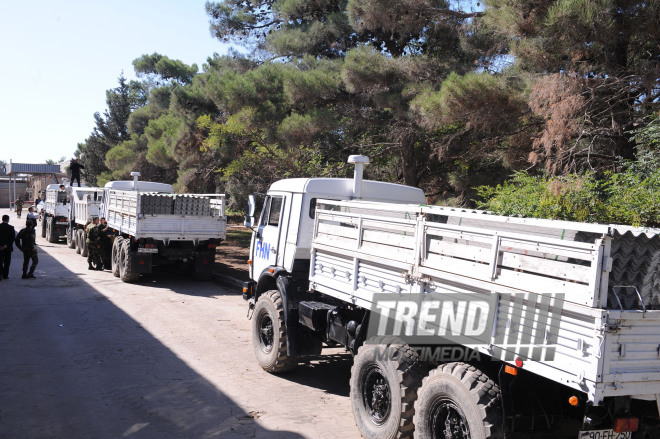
(359, 161)
(135, 180)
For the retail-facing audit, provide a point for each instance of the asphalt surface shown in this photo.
(84, 356)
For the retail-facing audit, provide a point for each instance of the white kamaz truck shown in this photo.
(462, 324)
(84, 204)
(154, 226)
(56, 213)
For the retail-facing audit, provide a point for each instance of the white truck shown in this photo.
(462, 324)
(154, 226)
(55, 219)
(84, 204)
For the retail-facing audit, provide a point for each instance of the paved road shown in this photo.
(84, 355)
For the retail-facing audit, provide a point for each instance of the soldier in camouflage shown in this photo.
(19, 206)
(94, 245)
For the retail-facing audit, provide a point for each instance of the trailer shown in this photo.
(462, 324)
(55, 219)
(153, 226)
(84, 205)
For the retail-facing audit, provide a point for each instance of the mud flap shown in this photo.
(141, 263)
(204, 262)
(300, 340)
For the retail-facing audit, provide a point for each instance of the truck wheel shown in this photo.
(269, 334)
(457, 401)
(79, 241)
(126, 258)
(116, 250)
(384, 381)
(51, 234)
(43, 226)
(84, 251)
(71, 237)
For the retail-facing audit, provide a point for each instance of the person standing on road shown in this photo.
(7, 236)
(32, 215)
(94, 245)
(19, 206)
(26, 241)
(105, 242)
(75, 168)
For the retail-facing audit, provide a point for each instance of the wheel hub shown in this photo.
(266, 333)
(448, 422)
(376, 395)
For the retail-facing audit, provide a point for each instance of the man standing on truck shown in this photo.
(75, 170)
(94, 245)
(19, 206)
(26, 241)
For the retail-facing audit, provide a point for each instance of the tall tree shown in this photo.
(110, 129)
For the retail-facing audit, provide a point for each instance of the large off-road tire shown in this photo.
(51, 234)
(125, 268)
(84, 251)
(269, 334)
(116, 251)
(384, 381)
(71, 237)
(458, 401)
(79, 241)
(43, 226)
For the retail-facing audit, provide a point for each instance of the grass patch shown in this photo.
(239, 237)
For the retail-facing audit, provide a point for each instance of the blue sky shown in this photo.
(57, 59)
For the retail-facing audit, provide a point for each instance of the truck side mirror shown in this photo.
(249, 218)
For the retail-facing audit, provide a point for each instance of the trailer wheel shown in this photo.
(71, 237)
(43, 226)
(384, 381)
(126, 263)
(116, 250)
(457, 401)
(51, 234)
(269, 334)
(79, 241)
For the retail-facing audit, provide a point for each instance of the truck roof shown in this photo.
(343, 187)
(56, 186)
(143, 186)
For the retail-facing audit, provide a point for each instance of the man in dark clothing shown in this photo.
(26, 241)
(106, 243)
(94, 245)
(7, 236)
(75, 171)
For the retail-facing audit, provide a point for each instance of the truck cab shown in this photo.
(282, 238)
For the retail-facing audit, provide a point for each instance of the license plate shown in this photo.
(147, 250)
(604, 434)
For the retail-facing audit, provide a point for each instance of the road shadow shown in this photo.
(74, 365)
(330, 372)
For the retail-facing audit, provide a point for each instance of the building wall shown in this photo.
(7, 192)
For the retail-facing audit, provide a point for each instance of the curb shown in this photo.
(228, 281)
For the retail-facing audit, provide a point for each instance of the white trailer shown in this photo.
(55, 214)
(153, 225)
(84, 204)
(463, 324)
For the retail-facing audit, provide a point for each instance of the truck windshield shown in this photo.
(61, 197)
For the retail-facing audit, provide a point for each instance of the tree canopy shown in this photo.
(444, 95)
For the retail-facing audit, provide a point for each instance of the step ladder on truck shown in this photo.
(462, 324)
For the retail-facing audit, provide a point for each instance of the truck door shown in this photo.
(267, 238)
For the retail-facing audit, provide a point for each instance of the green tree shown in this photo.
(110, 129)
